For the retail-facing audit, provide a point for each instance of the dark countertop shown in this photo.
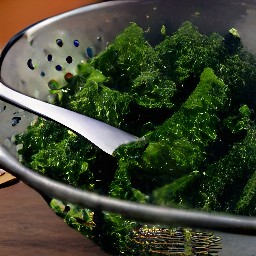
(29, 227)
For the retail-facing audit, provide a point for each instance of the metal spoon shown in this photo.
(106, 137)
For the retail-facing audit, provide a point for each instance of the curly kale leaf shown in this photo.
(56, 159)
(113, 233)
(179, 193)
(130, 62)
(75, 216)
(237, 70)
(247, 201)
(151, 90)
(179, 145)
(58, 153)
(125, 59)
(227, 181)
(187, 52)
(228, 170)
(37, 136)
(128, 157)
(193, 127)
(102, 103)
(239, 122)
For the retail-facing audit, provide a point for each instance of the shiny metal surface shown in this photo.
(95, 26)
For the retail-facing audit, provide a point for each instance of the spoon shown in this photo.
(106, 137)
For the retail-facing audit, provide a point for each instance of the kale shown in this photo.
(227, 185)
(102, 103)
(194, 126)
(179, 193)
(113, 234)
(49, 149)
(247, 201)
(126, 58)
(178, 146)
(188, 52)
(130, 62)
(191, 98)
(128, 157)
(77, 217)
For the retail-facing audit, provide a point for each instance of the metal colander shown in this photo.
(53, 47)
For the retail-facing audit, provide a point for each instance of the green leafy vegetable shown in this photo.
(192, 99)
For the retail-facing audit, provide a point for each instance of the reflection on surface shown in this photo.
(237, 245)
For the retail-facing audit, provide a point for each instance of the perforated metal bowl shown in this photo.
(49, 49)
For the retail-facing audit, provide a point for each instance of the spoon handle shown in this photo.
(105, 136)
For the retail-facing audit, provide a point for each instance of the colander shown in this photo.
(53, 47)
